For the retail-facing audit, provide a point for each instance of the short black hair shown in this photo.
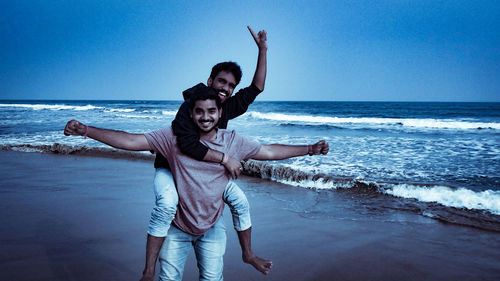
(204, 93)
(228, 66)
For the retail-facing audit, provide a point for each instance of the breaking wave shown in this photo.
(52, 106)
(428, 123)
(445, 203)
(487, 200)
(57, 148)
(121, 110)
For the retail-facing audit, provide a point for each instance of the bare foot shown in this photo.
(261, 265)
(147, 278)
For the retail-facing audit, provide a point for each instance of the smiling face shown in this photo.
(206, 115)
(223, 83)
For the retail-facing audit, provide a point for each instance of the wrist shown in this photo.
(309, 150)
(86, 133)
(224, 159)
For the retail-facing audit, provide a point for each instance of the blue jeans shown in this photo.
(166, 204)
(209, 249)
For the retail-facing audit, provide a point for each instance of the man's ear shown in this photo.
(209, 82)
(220, 112)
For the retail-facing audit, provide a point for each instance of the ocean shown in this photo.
(440, 160)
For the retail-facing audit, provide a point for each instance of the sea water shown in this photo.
(443, 158)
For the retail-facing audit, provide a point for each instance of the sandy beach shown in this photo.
(84, 218)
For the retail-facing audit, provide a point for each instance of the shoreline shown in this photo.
(68, 217)
(448, 203)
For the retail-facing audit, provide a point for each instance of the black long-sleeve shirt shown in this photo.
(188, 138)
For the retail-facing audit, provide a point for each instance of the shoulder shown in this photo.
(189, 92)
(240, 147)
(227, 134)
(233, 137)
(161, 133)
(251, 90)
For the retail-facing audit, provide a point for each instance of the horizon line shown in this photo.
(426, 101)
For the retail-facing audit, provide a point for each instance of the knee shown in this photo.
(164, 184)
(167, 200)
(166, 205)
(239, 204)
(235, 198)
(242, 206)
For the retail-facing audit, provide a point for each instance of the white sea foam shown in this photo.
(318, 184)
(408, 122)
(53, 106)
(139, 116)
(488, 200)
(120, 110)
(169, 112)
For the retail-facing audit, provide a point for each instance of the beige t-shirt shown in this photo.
(200, 184)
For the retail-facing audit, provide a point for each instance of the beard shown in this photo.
(206, 129)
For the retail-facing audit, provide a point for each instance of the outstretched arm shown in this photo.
(117, 139)
(259, 78)
(282, 151)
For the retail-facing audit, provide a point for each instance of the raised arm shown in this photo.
(117, 139)
(259, 78)
(282, 151)
(238, 104)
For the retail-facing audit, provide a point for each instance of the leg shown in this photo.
(174, 253)
(209, 249)
(240, 209)
(161, 217)
(165, 205)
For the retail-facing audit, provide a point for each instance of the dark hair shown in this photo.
(228, 66)
(203, 92)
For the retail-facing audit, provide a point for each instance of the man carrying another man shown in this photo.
(200, 185)
(223, 78)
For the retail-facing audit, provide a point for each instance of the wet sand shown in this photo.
(85, 218)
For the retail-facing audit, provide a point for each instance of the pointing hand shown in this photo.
(260, 38)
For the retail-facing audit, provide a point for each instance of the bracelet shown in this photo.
(222, 159)
(86, 132)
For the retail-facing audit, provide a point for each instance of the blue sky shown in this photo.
(318, 50)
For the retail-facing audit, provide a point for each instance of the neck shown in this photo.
(209, 135)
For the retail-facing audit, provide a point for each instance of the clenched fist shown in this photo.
(321, 147)
(74, 128)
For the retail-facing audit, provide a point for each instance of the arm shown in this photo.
(117, 139)
(238, 104)
(188, 138)
(259, 78)
(281, 151)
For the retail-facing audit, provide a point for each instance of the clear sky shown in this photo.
(318, 50)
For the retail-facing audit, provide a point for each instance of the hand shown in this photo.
(233, 166)
(260, 38)
(74, 128)
(321, 147)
